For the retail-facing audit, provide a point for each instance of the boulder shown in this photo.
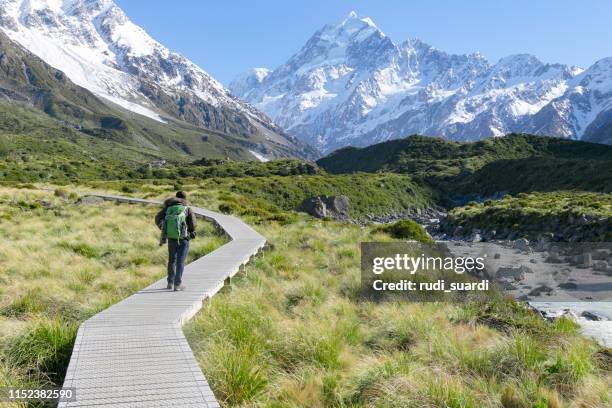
(521, 244)
(592, 315)
(506, 284)
(336, 207)
(339, 205)
(600, 266)
(587, 260)
(314, 206)
(517, 273)
(90, 200)
(601, 254)
(543, 289)
(545, 241)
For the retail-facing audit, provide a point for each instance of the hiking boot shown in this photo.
(179, 287)
(169, 286)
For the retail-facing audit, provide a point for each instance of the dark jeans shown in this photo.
(177, 252)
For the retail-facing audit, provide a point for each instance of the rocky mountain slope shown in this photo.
(39, 104)
(350, 84)
(98, 48)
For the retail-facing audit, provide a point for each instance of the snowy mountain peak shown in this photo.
(353, 20)
(350, 27)
(248, 80)
(352, 85)
(598, 77)
(101, 49)
(351, 15)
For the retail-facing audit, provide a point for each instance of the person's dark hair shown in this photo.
(181, 194)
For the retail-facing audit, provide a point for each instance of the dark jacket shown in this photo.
(191, 219)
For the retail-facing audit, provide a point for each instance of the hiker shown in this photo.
(177, 223)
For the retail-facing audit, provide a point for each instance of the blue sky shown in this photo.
(228, 37)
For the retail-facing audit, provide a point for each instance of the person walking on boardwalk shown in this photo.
(177, 223)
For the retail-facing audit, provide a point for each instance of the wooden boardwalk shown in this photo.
(134, 353)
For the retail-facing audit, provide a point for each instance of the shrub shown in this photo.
(407, 229)
(228, 208)
(60, 193)
(127, 189)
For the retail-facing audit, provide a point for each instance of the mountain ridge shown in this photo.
(350, 84)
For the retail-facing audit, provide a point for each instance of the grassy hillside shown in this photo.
(376, 194)
(431, 155)
(369, 194)
(535, 173)
(250, 187)
(35, 147)
(485, 167)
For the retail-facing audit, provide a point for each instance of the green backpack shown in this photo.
(176, 221)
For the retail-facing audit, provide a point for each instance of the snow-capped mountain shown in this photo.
(97, 46)
(248, 80)
(350, 84)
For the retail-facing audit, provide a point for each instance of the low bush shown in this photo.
(407, 229)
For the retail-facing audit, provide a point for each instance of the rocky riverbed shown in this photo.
(572, 280)
(555, 278)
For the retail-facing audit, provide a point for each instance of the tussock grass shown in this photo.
(44, 347)
(62, 263)
(293, 332)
